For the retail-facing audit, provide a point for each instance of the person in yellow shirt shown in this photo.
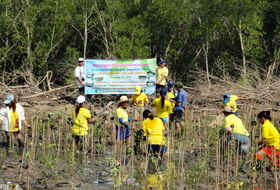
(270, 140)
(153, 128)
(170, 97)
(230, 101)
(122, 127)
(81, 117)
(162, 107)
(235, 130)
(11, 118)
(161, 75)
(139, 98)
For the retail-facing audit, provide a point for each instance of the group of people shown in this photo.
(170, 104)
(235, 130)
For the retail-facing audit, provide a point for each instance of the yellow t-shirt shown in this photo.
(80, 127)
(171, 96)
(237, 123)
(138, 97)
(160, 72)
(270, 133)
(231, 103)
(162, 112)
(121, 113)
(14, 116)
(153, 129)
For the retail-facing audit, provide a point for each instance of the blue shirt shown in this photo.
(181, 97)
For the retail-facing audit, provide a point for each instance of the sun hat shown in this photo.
(170, 83)
(226, 98)
(81, 59)
(123, 99)
(227, 110)
(138, 90)
(9, 98)
(81, 99)
(162, 61)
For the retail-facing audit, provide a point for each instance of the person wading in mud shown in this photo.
(161, 75)
(235, 130)
(82, 118)
(230, 101)
(162, 107)
(180, 104)
(269, 145)
(138, 99)
(80, 75)
(11, 116)
(122, 128)
(154, 129)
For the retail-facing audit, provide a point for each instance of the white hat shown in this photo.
(123, 99)
(81, 99)
(81, 59)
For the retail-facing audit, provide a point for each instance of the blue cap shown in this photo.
(226, 98)
(170, 83)
(163, 91)
(162, 61)
(9, 98)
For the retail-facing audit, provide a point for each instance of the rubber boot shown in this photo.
(20, 143)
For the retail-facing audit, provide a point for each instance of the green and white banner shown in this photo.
(120, 76)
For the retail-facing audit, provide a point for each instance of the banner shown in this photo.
(120, 76)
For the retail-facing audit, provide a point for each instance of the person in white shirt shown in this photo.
(80, 75)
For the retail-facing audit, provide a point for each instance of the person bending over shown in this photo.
(153, 128)
(270, 141)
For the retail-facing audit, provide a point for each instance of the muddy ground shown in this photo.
(92, 171)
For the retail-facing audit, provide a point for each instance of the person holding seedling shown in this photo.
(82, 118)
(11, 118)
(180, 104)
(235, 130)
(122, 128)
(154, 131)
(270, 141)
(162, 107)
(230, 101)
(161, 75)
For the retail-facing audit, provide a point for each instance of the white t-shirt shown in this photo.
(80, 72)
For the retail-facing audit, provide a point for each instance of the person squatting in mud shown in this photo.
(122, 128)
(82, 118)
(154, 129)
(269, 145)
(11, 117)
(236, 131)
(230, 101)
(162, 106)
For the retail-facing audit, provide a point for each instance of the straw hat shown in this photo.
(227, 110)
(123, 99)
